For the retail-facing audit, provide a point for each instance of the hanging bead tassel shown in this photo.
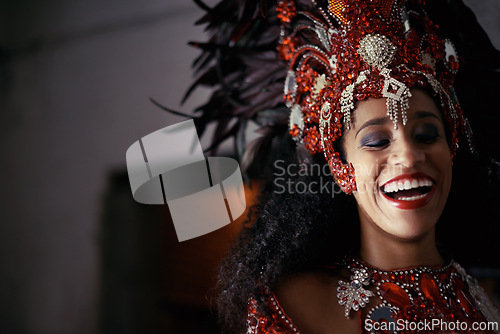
(396, 93)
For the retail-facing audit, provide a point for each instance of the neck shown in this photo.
(388, 252)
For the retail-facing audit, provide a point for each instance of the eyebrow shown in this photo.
(384, 120)
(374, 121)
(424, 114)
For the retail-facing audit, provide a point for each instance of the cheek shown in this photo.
(367, 172)
(447, 170)
(442, 160)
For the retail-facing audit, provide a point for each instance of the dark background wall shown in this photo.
(77, 255)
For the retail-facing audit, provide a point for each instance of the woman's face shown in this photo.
(403, 176)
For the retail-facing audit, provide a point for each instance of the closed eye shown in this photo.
(375, 140)
(427, 133)
(380, 143)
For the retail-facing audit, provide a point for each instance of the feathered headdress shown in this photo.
(301, 65)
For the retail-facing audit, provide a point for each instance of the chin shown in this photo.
(411, 218)
(410, 225)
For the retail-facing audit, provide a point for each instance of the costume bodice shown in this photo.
(422, 299)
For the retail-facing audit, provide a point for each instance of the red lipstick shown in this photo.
(413, 181)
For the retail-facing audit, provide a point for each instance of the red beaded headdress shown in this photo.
(342, 51)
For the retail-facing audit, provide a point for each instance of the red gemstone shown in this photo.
(464, 298)
(429, 288)
(394, 294)
(464, 302)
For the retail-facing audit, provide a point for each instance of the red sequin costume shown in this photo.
(409, 300)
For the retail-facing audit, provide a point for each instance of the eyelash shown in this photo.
(378, 144)
(426, 136)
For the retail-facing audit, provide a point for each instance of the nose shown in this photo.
(405, 153)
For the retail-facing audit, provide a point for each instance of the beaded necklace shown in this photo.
(430, 299)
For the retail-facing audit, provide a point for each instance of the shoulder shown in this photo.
(310, 301)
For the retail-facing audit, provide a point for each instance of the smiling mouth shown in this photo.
(409, 191)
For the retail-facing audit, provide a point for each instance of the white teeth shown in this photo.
(412, 198)
(406, 185)
(424, 183)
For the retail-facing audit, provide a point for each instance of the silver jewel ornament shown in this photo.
(322, 34)
(333, 63)
(347, 98)
(396, 93)
(406, 20)
(352, 295)
(347, 104)
(450, 51)
(376, 50)
(290, 86)
(252, 319)
(427, 59)
(296, 118)
(325, 115)
(319, 84)
(324, 122)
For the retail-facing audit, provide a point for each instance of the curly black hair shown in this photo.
(300, 221)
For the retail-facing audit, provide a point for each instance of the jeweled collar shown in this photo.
(353, 295)
(412, 294)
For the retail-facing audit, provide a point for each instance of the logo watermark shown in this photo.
(168, 167)
(296, 178)
(432, 325)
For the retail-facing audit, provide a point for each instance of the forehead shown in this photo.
(377, 108)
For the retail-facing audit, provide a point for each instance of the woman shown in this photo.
(369, 92)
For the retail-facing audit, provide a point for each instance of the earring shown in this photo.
(344, 174)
